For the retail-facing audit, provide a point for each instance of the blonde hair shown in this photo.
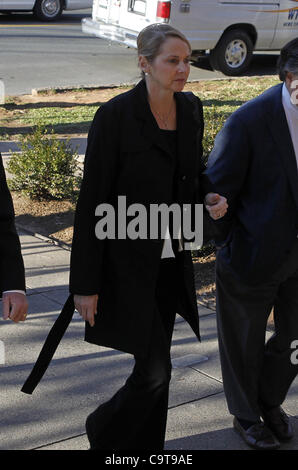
(151, 39)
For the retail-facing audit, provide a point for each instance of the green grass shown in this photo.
(55, 116)
(220, 98)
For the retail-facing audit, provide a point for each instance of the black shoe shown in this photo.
(279, 423)
(257, 436)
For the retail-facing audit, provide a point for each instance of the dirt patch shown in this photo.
(204, 271)
(86, 96)
(53, 219)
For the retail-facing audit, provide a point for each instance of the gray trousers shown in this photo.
(255, 371)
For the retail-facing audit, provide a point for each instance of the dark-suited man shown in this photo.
(254, 165)
(12, 277)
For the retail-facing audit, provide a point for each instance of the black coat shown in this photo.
(126, 156)
(11, 262)
(253, 165)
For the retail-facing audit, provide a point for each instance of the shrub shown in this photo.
(46, 168)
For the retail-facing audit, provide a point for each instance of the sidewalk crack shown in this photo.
(195, 400)
(57, 442)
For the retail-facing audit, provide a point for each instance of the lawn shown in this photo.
(71, 112)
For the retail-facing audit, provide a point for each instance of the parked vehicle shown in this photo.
(228, 30)
(44, 10)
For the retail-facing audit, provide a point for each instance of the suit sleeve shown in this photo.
(227, 169)
(12, 274)
(97, 188)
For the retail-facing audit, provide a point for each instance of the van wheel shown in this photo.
(233, 53)
(48, 10)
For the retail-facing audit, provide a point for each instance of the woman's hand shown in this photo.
(86, 305)
(216, 205)
(15, 306)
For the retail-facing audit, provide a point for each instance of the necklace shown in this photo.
(163, 119)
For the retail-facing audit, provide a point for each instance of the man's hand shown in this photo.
(216, 205)
(15, 306)
(86, 305)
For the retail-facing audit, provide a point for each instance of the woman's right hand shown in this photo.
(86, 305)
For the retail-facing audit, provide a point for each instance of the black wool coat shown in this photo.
(126, 156)
(12, 274)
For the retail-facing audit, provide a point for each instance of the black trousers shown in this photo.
(135, 417)
(256, 372)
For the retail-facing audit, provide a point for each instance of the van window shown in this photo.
(137, 6)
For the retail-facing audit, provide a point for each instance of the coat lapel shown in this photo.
(281, 134)
(188, 125)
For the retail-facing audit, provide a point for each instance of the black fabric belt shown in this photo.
(51, 343)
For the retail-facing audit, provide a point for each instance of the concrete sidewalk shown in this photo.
(82, 375)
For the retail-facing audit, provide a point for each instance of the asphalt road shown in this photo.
(37, 55)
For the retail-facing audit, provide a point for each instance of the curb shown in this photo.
(62, 89)
(51, 240)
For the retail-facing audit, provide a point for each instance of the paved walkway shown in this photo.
(82, 375)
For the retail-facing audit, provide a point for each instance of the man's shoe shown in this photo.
(279, 423)
(258, 436)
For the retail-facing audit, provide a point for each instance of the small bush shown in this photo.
(46, 168)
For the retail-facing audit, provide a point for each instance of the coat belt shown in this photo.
(51, 343)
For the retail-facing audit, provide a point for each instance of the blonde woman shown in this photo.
(144, 145)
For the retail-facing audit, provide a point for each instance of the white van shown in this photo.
(45, 10)
(230, 30)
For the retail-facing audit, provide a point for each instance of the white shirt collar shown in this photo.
(287, 102)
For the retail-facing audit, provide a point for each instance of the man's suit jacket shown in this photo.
(253, 165)
(127, 156)
(12, 274)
